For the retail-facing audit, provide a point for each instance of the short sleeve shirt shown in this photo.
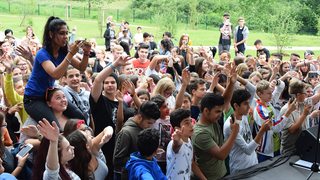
(266, 51)
(40, 80)
(140, 67)
(204, 139)
(225, 38)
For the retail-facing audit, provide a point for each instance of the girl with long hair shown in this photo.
(52, 161)
(183, 45)
(201, 67)
(165, 88)
(87, 163)
(50, 63)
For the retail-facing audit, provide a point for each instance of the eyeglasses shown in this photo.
(23, 64)
(168, 94)
(5, 125)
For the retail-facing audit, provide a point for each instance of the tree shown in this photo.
(100, 21)
(283, 26)
(318, 27)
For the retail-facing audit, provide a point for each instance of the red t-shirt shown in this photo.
(140, 67)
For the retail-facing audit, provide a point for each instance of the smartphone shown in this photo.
(25, 150)
(309, 101)
(83, 42)
(312, 75)
(292, 97)
(159, 153)
(271, 114)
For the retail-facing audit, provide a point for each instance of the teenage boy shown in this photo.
(260, 48)
(126, 39)
(142, 63)
(243, 153)
(109, 34)
(197, 88)
(298, 120)
(142, 164)
(126, 26)
(180, 160)
(294, 60)
(225, 33)
(209, 147)
(138, 37)
(126, 142)
(241, 34)
(104, 105)
(265, 109)
(77, 95)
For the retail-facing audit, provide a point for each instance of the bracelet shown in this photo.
(68, 60)
(277, 82)
(133, 94)
(71, 53)
(40, 136)
(112, 67)
(86, 54)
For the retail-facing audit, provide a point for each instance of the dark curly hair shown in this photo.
(167, 45)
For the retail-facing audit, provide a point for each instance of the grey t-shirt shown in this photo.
(288, 140)
(127, 40)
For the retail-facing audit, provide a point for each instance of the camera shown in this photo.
(185, 42)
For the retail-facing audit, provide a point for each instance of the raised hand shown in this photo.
(25, 53)
(185, 77)
(150, 81)
(119, 96)
(227, 68)
(275, 69)
(122, 61)
(176, 136)
(307, 109)
(48, 131)
(30, 131)
(74, 47)
(233, 75)
(7, 61)
(215, 79)
(291, 106)
(173, 52)
(234, 126)
(190, 50)
(129, 86)
(87, 46)
(273, 84)
(208, 78)
(16, 108)
(107, 135)
(266, 125)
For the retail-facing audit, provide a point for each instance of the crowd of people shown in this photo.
(166, 112)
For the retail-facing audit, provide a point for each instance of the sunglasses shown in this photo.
(185, 35)
(50, 89)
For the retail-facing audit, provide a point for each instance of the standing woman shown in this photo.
(50, 63)
(30, 35)
(183, 45)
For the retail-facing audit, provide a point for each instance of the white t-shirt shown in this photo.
(149, 72)
(179, 165)
(138, 38)
(243, 153)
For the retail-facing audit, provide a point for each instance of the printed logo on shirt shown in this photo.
(225, 34)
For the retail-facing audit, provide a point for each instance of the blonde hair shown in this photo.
(163, 85)
(117, 48)
(296, 86)
(264, 71)
(241, 68)
(19, 58)
(255, 74)
(262, 85)
(166, 75)
(33, 37)
(103, 52)
(94, 42)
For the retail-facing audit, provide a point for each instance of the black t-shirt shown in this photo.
(104, 114)
(240, 38)
(225, 38)
(266, 51)
(153, 45)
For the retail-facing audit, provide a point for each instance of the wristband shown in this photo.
(68, 60)
(86, 54)
(112, 67)
(133, 94)
(277, 82)
(71, 53)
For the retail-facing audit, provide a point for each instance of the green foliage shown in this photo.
(100, 21)
(283, 27)
(318, 27)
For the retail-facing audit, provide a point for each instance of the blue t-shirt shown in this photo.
(7, 176)
(40, 80)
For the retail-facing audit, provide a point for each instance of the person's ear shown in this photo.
(193, 91)
(48, 103)
(87, 146)
(236, 106)
(259, 94)
(50, 34)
